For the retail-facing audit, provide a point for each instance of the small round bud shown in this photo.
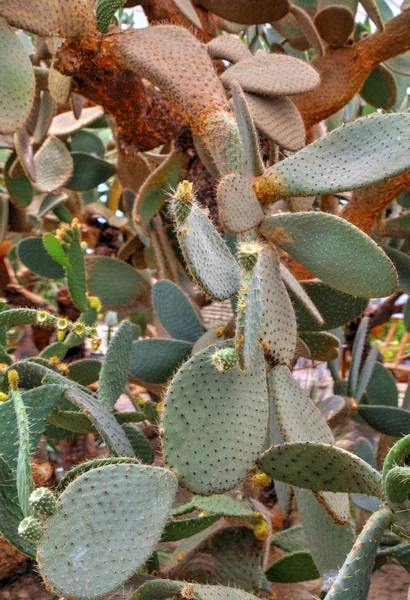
(188, 592)
(60, 336)
(75, 223)
(219, 331)
(62, 324)
(261, 530)
(3, 397)
(63, 369)
(78, 328)
(13, 378)
(54, 360)
(30, 529)
(96, 343)
(94, 302)
(43, 317)
(42, 500)
(225, 359)
(248, 254)
(261, 480)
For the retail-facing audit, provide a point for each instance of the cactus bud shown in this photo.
(79, 328)
(62, 324)
(13, 378)
(261, 528)
(42, 500)
(31, 529)
(63, 369)
(94, 302)
(96, 343)
(248, 254)
(182, 201)
(43, 317)
(3, 397)
(225, 359)
(54, 360)
(261, 480)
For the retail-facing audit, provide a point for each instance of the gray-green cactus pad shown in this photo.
(292, 568)
(249, 316)
(335, 470)
(223, 505)
(162, 589)
(155, 360)
(107, 525)
(290, 540)
(35, 257)
(114, 370)
(208, 415)
(337, 252)
(389, 420)
(186, 528)
(382, 389)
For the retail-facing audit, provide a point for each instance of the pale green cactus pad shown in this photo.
(239, 209)
(336, 470)
(97, 557)
(335, 251)
(223, 505)
(162, 589)
(249, 315)
(206, 415)
(290, 540)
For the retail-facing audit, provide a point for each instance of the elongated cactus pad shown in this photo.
(302, 298)
(272, 75)
(176, 312)
(402, 263)
(156, 360)
(162, 589)
(228, 47)
(372, 9)
(322, 345)
(389, 420)
(247, 131)
(308, 29)
(353, 580)
(59, 85)
(114, 370)
(336, 470)
(242, 11)
(93, 561)
(66, 123)
(336, 162)
(186, 528)
(16, 73)
(330, 246)
(233, 405)
(335, 24)
(223, 505)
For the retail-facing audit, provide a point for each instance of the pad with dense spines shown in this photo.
(228, 47)
(31, 529)
(335, 24)
(84, 371)
(53, 164)
(290, 540)
(272, 75)
(337, 252)
(380, 88)
(176, 312)
(382, 388)
(16, 73)
(239, 209)
(335, 470)
(186, 528)
(302, 299)
(89, 171)
(337, 162)
(43, 501)
(278, 327)
(105, 11)
(104, 501)
(67, 124)
(199, 240)
(139, 443)
(308, 29)
(278, 119)
(322, 345)
(132, 290)
(293, 568)
(228, 556)
(75, 270)
(396, 484)
(187, 9)
(388, 420)
(59, 85)
(247, 131)
(34, 256)
(19, 188)
(163, 589)
(153, 192)
(353, 580)
(300, 420)
(248, 13)
(115, 366)
(336, 308)
(155, 360)
(46, 18)
(174, 60)
(402, 263)
(206, 415)
(223, 505)
(328, 542)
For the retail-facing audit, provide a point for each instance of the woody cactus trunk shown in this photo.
(228, 152)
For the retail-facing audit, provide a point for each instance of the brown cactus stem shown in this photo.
(367, 204)
(344, 70)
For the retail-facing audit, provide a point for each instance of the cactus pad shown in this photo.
(59, 85)
(228, 47)
(30, 529)
(234, 407)
(239, 209)
(380, 88)
(186, 8)
(114, 370)
(53, 164)
(43, 501)
(16, 72)
(89, 171)
(155, 360)
(96, 558)
(247, 131)
(382, 388)
(302, 299)
(292, 568)
(242, 11)
(162, 589)
(335, 24)
(322, 345)
(223, 505)
(34, 256)
(388, 420)
(105, 11)
(335, 251)
(186, 528)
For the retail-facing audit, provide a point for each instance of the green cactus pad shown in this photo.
(115, 366)
(53, 164)
(336, 470)
(278, 327)
(24, 475)
(19, 188)
(16, 72)
(388, 420)
(256, 13)
(84, 371)
(199, 240)
(239, 209)
(293, 568)
(162, 589)
(328, 542)
(374, 13)
(139, 443)
(31, 529)
(336, 308)
(248, 316)
(228, 47)
(34, 256)
(132, 291)
(397, 226)
(382, 389)
(85, 467)
(396, 484)
(85, 141)
(290, 540)
(336, 163)
(186, 528)
(76, 270)
(43, 501)
(380, 88)
(89, 171)
(302, 300)
(155, 360)
(402, 263)
(223, 506)
(335, 251)
(176, 313)
(55, 249)
(105, 11)
(322, 345)
(225, 359)
(234, 406)
(94, 561)
(353, 580)
(247, 131)
(272, 75)
(278, 119)
(335, 24)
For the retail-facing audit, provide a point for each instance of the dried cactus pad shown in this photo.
(17, 81)
(208, 415)
(106, 526)
(239, 209)
(228, 47)
(335, 251)
(272, 75)
(63, 18)
(255, 12)
(335, 24)
(54, 165)
(361, 153)
(175, 61)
